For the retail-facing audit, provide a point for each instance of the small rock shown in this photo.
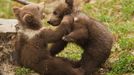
(132, 53)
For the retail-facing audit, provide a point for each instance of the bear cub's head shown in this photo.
(60, 11)
(30, 15)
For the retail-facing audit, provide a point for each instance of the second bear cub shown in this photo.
(86, 32)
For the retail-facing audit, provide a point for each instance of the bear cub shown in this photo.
(88, 33)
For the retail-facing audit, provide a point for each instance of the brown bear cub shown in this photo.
(88, 33)
(31, 45)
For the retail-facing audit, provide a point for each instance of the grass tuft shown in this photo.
(22, 71)
(125, 64)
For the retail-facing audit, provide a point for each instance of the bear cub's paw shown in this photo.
(68, 39)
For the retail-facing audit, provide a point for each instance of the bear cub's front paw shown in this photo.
(68, 39)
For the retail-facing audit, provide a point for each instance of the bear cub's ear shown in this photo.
(28, 18)
(16, 11)
(69, 2)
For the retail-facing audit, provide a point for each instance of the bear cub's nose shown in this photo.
(48, 22)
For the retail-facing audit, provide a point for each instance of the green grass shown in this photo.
(125, 64)
(22, 71)
(117, 15)
(127, 8)
(5, 9)
(72, 51)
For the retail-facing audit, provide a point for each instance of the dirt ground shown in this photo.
(6, 48)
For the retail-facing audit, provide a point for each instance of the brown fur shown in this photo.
(88, 33)
(31, 45)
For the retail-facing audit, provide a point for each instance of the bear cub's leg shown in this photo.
(76, 35)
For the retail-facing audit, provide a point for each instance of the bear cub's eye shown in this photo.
(55, 13)
(38, 8)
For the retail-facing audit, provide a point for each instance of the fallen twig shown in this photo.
(24, 2)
